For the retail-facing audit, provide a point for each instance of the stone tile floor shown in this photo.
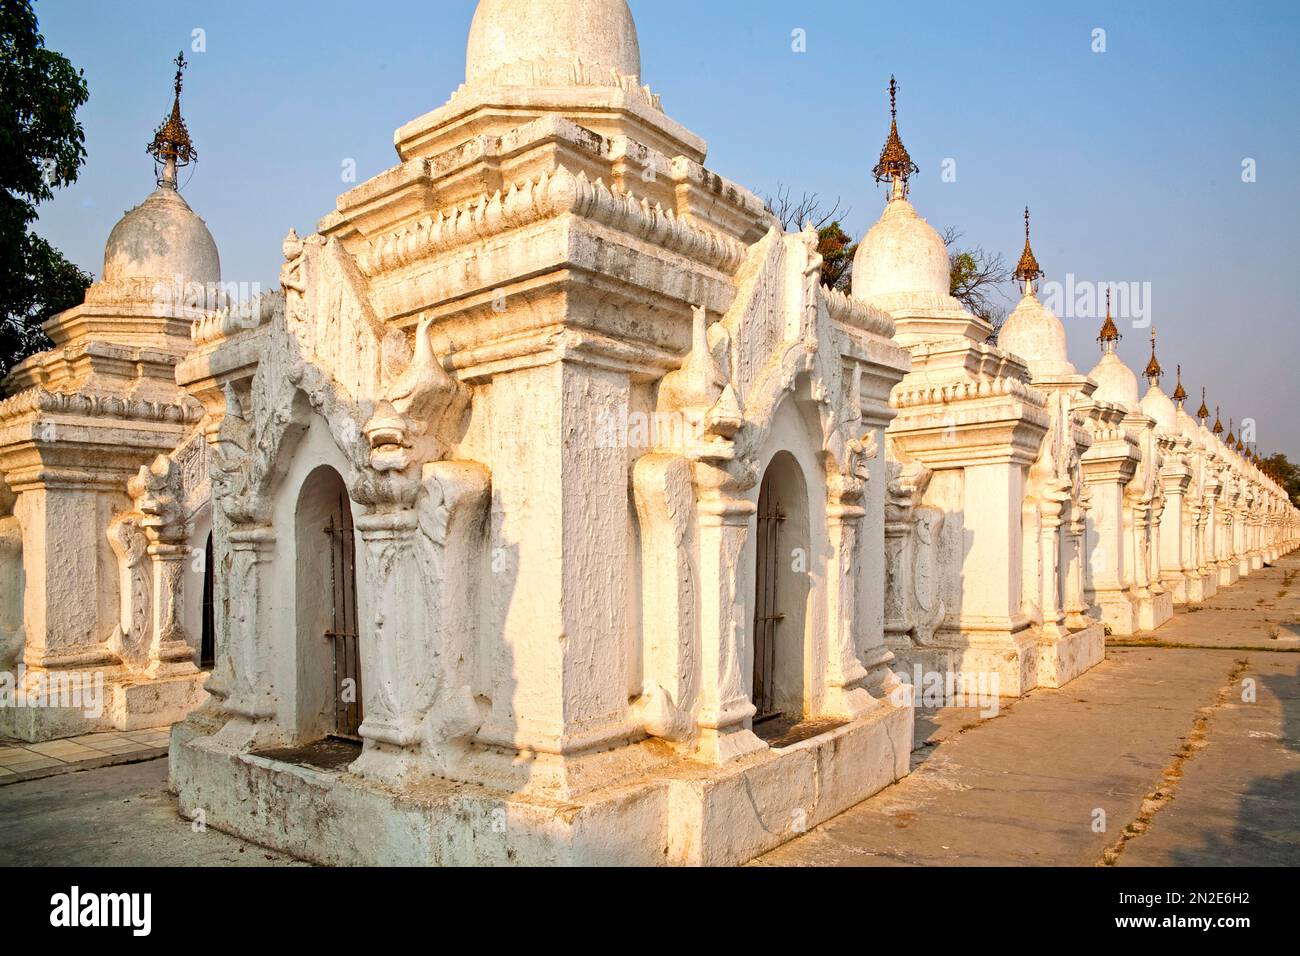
(21, 761)
(1182, 748)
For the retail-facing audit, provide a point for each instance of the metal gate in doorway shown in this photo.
(342, 635)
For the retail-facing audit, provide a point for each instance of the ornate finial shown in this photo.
(1203, 413)
(1230, 440)
(1109, 336)
(1153, 370)
(895, 166)
(1027, 270)
(172, 146)
(1180, 393)
(1218, 425)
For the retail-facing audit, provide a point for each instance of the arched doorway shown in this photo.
(329, 657)
(208, 633)
(781, 592)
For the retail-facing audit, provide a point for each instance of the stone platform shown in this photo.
(1021, 661)
(690, 813)
(128, 704)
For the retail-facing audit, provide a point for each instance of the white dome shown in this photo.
(599, 33)
(902, 253)
(1037, 336)
(1160, 407)
(1115, 381)
(160, 239)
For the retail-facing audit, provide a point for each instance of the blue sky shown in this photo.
(1131, 159)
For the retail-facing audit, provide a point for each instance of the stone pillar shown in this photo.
(1173, 560)
(844, 696)
(1138, 510)
(1226, 530)
(169, 650)
(1151, 545)
(1049, 552)
(558, 610)
(69, 599)
(725, 706)
(1107, 468)
(251, 690)
(11, 591)
(898, 558)
(1077, 584)
(992, 597)
(1245, 536)
(1209, 566)
(391, 612)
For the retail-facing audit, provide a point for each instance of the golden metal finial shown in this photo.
(1109, 336)
(895, 164)
(1180, 393)
(1218, 425)
(1027, 270)
(1153, 369)
(1230, 440)
(171, 145)
(1203, 412)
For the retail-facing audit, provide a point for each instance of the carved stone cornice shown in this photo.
(546, 196)
(38, 400)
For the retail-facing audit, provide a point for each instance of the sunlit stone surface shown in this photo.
(559, 513)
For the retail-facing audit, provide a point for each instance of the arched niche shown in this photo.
(329, 700)
(782, 555)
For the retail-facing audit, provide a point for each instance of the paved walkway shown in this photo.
(1181, 748)
(113, 816)
(20, 761)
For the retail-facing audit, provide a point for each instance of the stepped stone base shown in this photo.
(687, 814)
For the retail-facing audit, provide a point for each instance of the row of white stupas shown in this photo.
(434, 530)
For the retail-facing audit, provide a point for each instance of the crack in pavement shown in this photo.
(1172, 775)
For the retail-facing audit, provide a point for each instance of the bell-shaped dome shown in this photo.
(1037, 336)
(1160, 406)
(161, 238)
(901, 254)
(1115, 381)
(600, 34)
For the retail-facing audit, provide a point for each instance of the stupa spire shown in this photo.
(895, 166)
(1180, 393)
(172, 147)
(1153, 371)
(1109, 337)
(1027, 270)
(1203, 413)
(1218, 424)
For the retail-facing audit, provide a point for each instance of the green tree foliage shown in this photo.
(1287, 475)
(837, 249)
(41, 149)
